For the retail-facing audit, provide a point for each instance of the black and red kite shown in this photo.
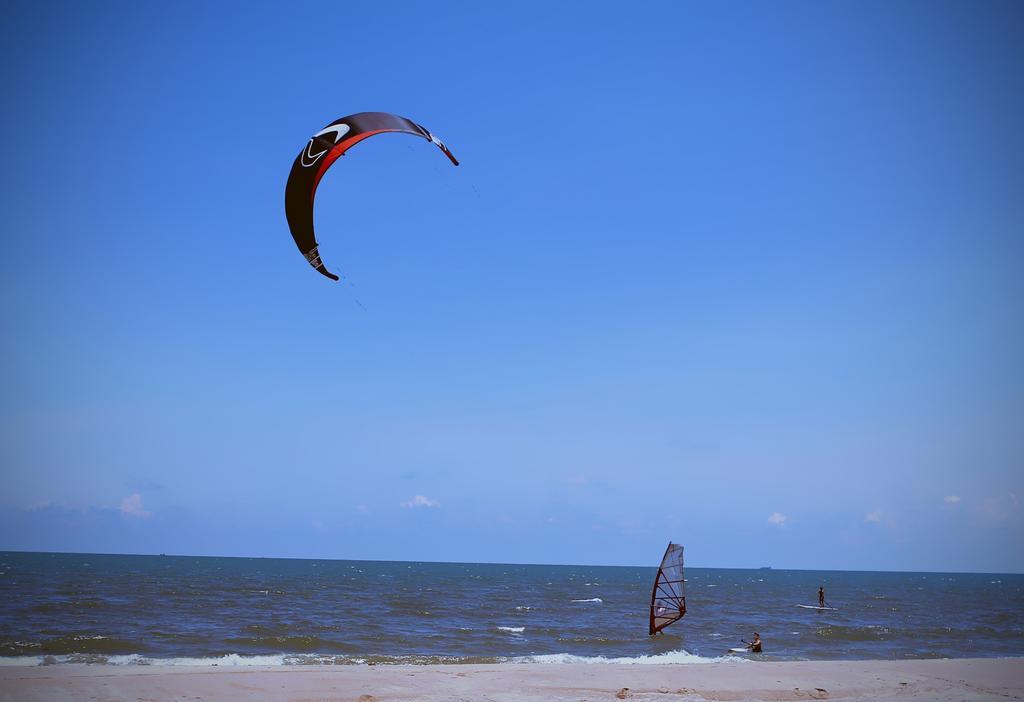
(323, 149)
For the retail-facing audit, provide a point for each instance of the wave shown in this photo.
(71, 644)
(290, 643)
(19, 660)
(238, 660)
(598, 600)
(288, 659)
(512, 629)
(668, 658)
(231, 659)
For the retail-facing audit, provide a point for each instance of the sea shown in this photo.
(183, 610)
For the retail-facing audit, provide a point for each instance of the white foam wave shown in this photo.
(20, 660)
(282, 659)
(592, 599)
(229, 660)
(512, 629)
(668, 658)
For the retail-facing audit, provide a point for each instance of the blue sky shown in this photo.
(743, 275)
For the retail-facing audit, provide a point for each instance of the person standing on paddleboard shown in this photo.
(821, 596)
(755, 645)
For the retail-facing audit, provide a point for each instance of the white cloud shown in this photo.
(874, 517)
(421, 501)
(132, 506)
(777, 519)
(951, 499)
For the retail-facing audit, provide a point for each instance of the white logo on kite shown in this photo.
(308, 158)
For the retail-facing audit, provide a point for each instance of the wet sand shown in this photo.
(943, 680)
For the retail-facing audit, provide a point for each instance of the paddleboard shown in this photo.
(739, 650)
(820, 609)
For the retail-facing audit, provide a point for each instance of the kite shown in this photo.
(322, 150)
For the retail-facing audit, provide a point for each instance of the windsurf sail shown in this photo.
(668, 601)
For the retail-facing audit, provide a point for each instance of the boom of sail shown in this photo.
(668, 600)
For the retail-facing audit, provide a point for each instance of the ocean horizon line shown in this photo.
(651, 564)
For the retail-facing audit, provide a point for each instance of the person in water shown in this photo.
(821, 596)
(755, 645)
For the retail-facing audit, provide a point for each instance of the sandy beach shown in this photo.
(953, 680)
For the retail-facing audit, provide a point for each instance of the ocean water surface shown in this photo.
(112, 609)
